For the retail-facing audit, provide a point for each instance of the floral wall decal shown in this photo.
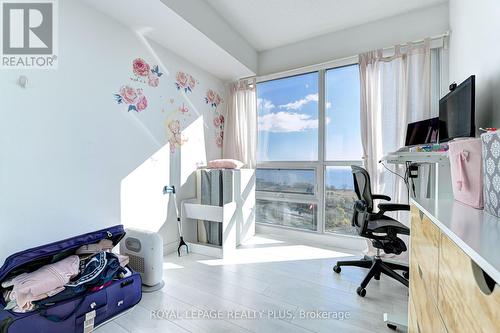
(184, 81)
(144, 73)
(175, 137)
(132, 97)
(213, 99)
(183, 109)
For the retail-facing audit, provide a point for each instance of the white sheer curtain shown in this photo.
(240, 135)
(395, 90)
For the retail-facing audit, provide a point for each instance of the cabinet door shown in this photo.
(462, 304)
(429, 255)
(424, 247)
(427, 317)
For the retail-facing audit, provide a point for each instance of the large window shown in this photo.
(309, 135)
(288, 119)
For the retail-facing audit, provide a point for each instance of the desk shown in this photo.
(454, 268)
(440, 175)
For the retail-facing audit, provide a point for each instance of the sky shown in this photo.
(288, 117)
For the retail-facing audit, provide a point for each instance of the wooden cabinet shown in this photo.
(462, 304)
(445, 292)
(425, 238)
(422, 310)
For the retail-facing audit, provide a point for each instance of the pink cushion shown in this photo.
(225, 164)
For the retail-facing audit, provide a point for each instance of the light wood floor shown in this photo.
(272, 278)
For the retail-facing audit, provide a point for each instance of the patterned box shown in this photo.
(491, 172)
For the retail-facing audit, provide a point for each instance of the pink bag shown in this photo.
(466, 164)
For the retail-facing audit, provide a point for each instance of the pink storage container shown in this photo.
(466, 163)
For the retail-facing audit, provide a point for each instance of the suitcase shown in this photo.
(467, 171)
(78, 314)
(491, 173)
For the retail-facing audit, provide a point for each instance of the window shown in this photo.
(302, 182)
(342, 146)
(290, 214)
(286, 180)
(288, 119)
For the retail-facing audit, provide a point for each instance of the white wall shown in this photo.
(475, 49)
(69, 153)
(384, 33)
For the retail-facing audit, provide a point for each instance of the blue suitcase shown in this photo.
(80, 313)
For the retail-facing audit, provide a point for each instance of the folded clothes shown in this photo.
(103, 245)
(99, 269)
(47, 281)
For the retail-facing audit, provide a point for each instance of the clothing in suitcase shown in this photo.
(491, 172)
(81, 306)
(467, 171)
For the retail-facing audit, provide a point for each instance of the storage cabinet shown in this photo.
(464, 307)
(448, 291)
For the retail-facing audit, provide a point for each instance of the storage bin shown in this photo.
(491, 172)
(466, 171)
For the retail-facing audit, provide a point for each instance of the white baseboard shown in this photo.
(347, 242)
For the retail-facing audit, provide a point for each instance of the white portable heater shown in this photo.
(145, 251)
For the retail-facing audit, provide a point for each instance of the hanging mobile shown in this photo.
(171, 191)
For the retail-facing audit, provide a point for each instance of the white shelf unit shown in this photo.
(237, 216)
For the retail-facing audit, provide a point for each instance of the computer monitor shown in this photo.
(422, 132)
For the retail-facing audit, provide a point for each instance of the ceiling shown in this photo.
(267, 24)
(162, 25)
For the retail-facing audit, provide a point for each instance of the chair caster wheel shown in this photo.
(361, 291)
(406, 275)
(377, 277)
(337, 269)
(392, 326)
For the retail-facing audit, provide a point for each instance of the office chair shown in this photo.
(381, 229)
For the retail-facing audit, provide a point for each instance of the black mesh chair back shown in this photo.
(362, 186)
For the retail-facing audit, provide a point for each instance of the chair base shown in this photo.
(377, 267)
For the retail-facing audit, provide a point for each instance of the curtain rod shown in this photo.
(337, 61)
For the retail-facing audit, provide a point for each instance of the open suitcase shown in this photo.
(78, 314)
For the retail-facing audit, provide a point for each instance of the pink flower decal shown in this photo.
(153, 80)
(184, 81)
(128, 94)
(142, 104)
(183, 108)
(140, 67)
(213, 99)
(192, 83)
(216, 121)
(219, 139)
(145, 73)
(132, 97)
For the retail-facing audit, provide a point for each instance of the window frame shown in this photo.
(440, 44)
(320, 165)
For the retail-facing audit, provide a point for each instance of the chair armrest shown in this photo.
(381, 197)
(392, 207)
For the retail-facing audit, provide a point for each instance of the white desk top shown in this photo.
(417, 157)
(474, 231)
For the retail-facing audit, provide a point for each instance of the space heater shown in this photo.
(145, 251)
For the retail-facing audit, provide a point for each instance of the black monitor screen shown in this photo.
(456, 112)
(422, 132)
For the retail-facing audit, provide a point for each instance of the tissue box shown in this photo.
(491, 172)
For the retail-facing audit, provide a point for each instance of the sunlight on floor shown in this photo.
(275, 254)
(169, 265)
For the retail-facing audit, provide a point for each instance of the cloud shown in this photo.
(265, 104)
(283, 122)
(328, 105)
(300, 103)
